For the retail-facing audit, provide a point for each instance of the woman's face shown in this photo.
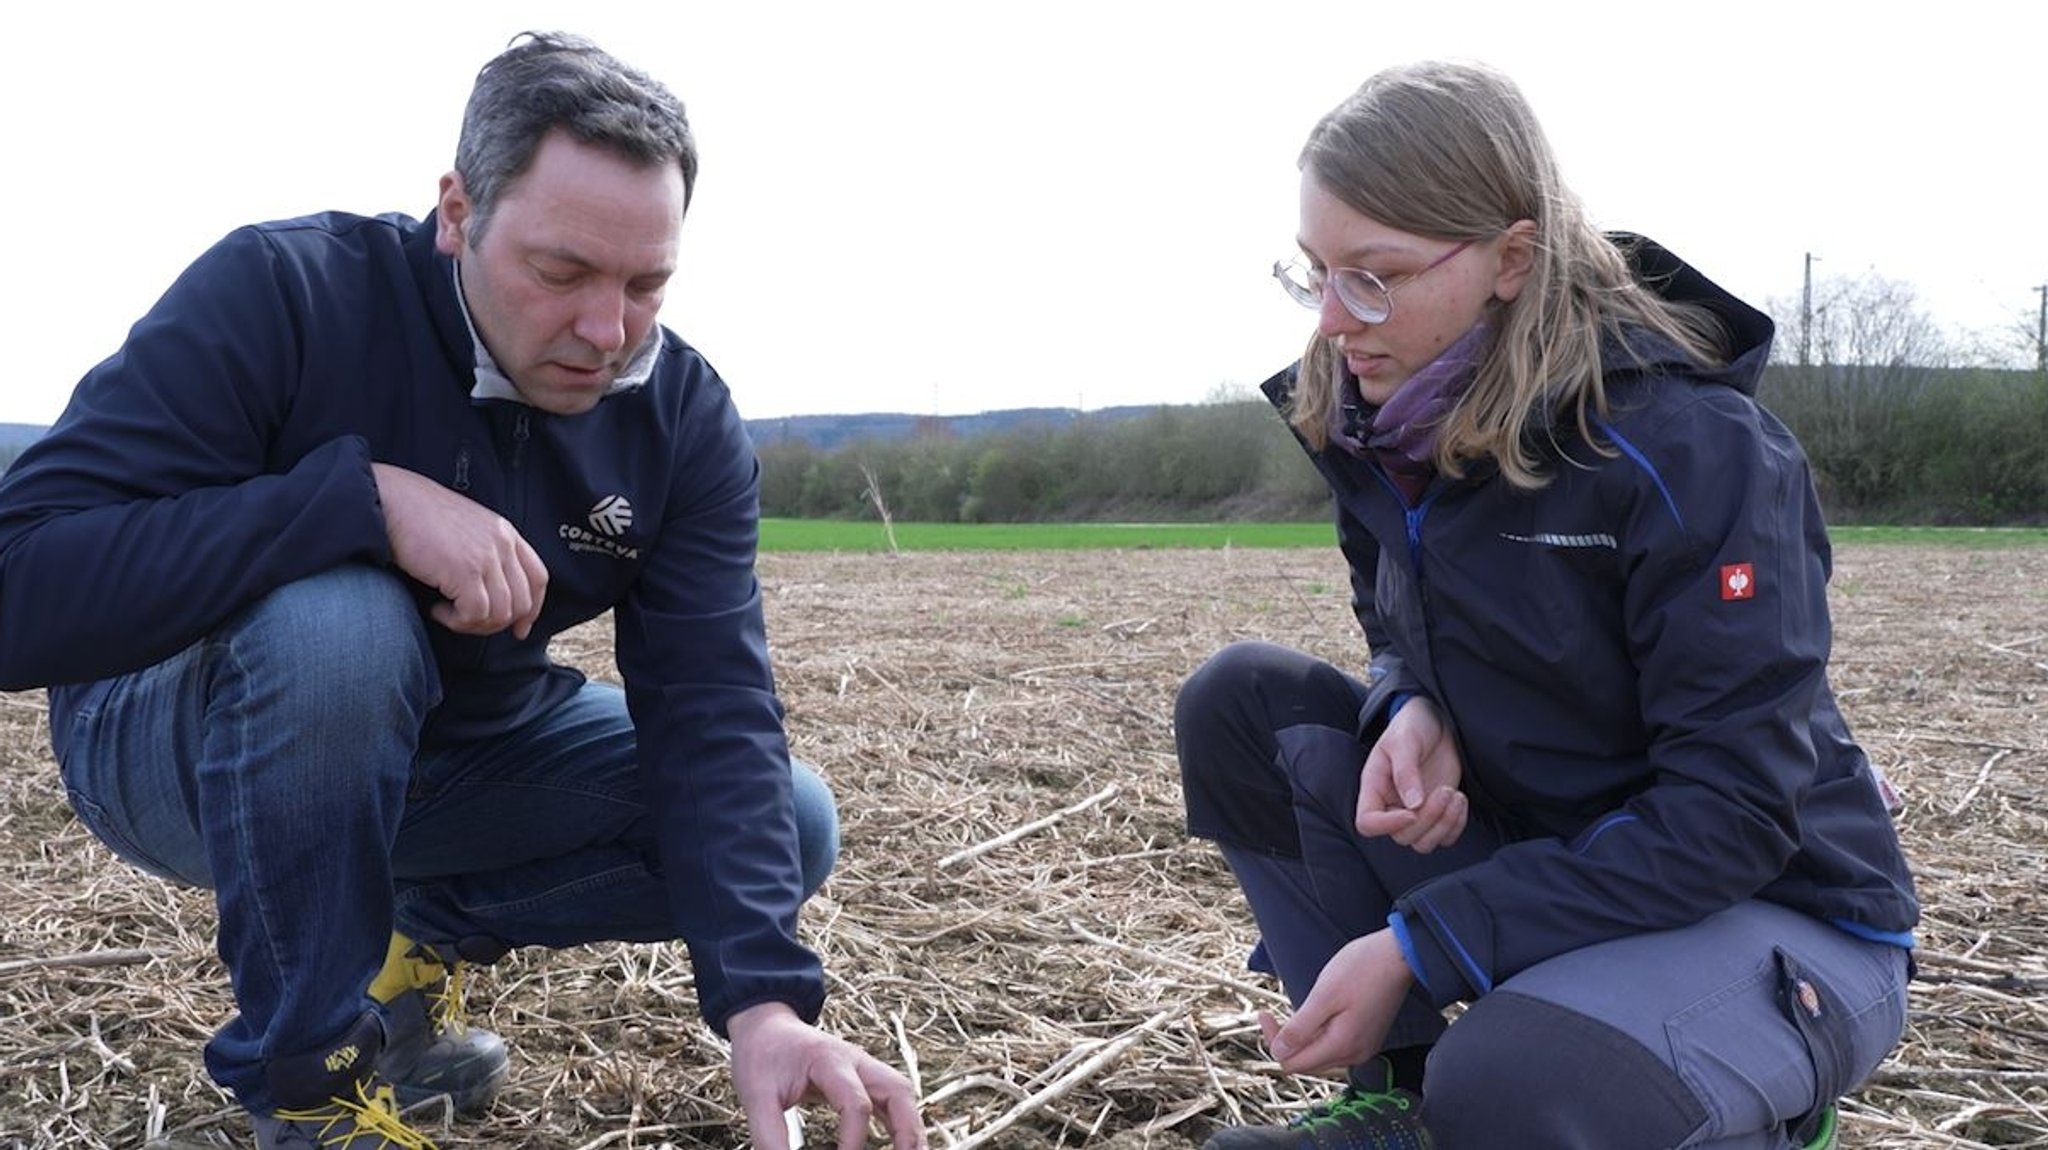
(1429, 310)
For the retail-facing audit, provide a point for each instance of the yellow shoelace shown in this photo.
(449, 1014)
(369, 1114)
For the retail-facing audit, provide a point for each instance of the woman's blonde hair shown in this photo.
(1453, 151)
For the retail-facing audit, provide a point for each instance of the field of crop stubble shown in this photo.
(1017, 919)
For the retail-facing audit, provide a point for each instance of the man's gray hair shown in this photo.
(554, 80)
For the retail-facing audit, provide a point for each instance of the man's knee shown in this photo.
(350, 638)
(817, 824)
(1520, 1071)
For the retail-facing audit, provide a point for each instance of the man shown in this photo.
(291, 560)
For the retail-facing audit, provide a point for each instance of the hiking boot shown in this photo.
(367, 1121)
(430, 1049)
(1357, 1119)
(331, 1099)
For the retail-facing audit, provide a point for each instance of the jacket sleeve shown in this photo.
(157, 505)
(693, 652)
(1725, 616)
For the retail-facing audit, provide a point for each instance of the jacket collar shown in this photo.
(433, 277)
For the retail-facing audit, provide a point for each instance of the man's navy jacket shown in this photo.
(225, 452)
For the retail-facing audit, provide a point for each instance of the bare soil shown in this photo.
(1018, 919)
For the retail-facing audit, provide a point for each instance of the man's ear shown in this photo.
(1517, 259)
(451, 216)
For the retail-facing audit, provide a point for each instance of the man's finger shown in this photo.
(762, 1103)
(536, 574)
(900, 1112)
(843, 1090)
(497, 604)
(767, 1129)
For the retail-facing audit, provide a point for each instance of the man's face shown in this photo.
(566, 280)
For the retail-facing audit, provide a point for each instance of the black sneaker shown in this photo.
(1357, 1119)
(430, 1049)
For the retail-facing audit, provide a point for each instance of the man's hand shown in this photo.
(1344, 1019)
(488, 577)
(780, 1061)
(1409, 789)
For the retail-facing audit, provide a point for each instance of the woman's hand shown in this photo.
(1409, 789)
(1345, 1017)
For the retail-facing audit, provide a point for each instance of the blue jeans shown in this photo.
(277, 761)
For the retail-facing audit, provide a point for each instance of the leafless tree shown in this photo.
(1876, 354)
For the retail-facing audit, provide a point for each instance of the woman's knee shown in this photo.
(1230, 721)
(1521, 1071)
(1252, 689)
(1216, 693)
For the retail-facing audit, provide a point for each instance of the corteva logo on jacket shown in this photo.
(608, 520)
(612, 515)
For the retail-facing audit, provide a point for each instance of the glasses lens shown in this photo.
(1299, 282)
(1362, 294)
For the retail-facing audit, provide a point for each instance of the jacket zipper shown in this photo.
(1411, 517)
(515, 509)
(515, 486)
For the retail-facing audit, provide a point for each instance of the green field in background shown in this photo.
(1975, 538)
(867, 535)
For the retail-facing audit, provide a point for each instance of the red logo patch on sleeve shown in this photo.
(1738, 581)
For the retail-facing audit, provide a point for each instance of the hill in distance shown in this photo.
(826, 432)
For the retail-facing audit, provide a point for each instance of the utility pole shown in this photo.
(1806, 316)
(2041, 332)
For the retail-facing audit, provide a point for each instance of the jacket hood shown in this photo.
(1747, 331)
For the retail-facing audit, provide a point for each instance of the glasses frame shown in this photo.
(1305, 285)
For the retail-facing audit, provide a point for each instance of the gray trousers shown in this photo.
(1732, 1033)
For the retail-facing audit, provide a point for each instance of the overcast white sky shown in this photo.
(953, 207)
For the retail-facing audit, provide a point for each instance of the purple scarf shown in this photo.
(1402, 434)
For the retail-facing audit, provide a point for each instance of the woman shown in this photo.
(1595, 783)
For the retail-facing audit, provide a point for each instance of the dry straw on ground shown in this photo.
(1017, 919)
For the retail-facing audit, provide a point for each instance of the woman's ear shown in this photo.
(1517, 259)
